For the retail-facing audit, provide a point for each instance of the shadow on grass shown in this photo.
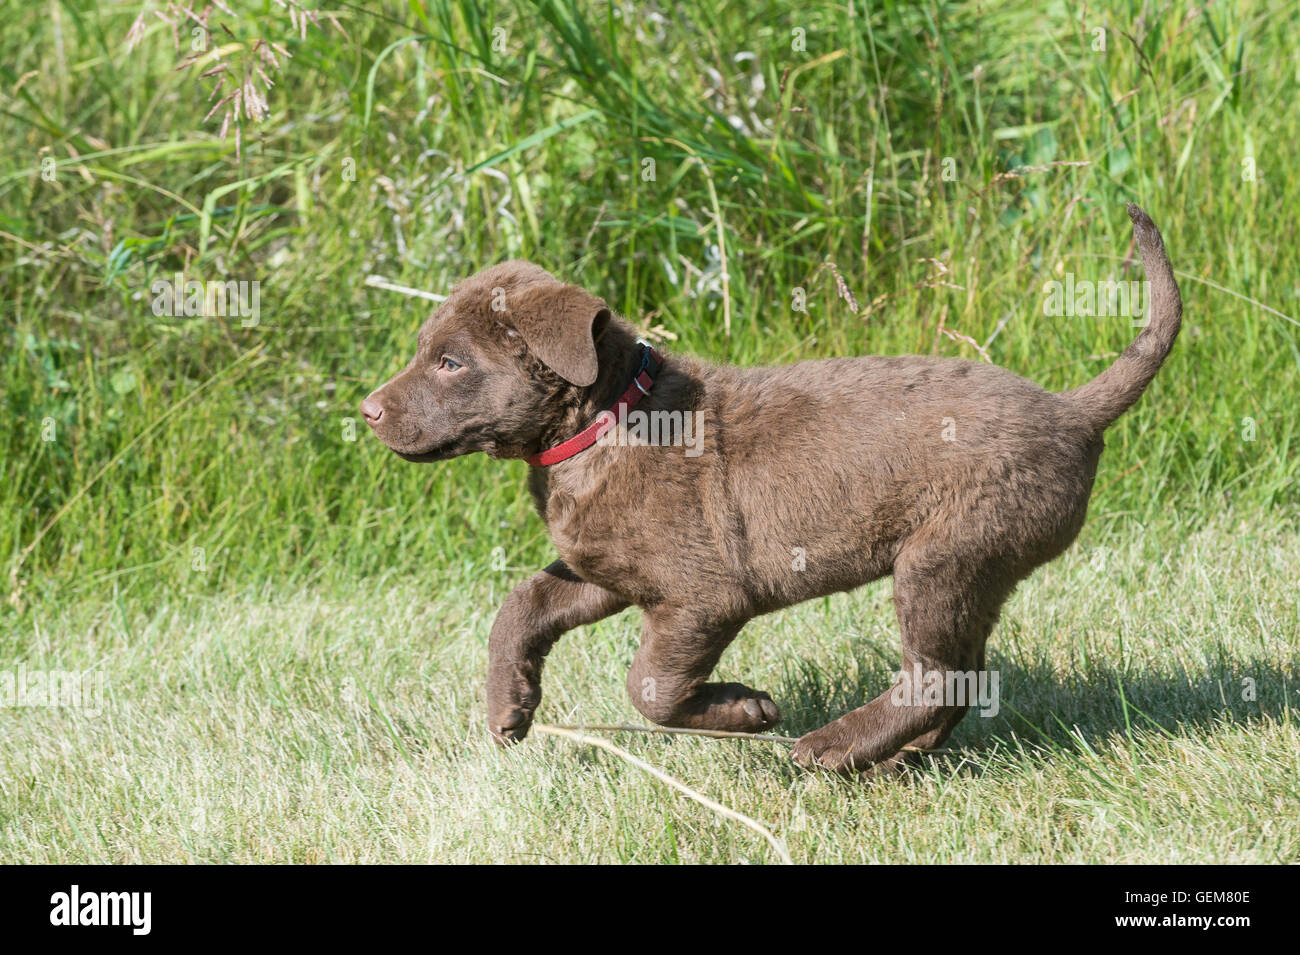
(1045, 712)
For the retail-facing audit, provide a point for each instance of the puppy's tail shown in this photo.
(1101, 401)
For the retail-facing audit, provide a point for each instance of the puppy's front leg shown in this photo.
(668, 677)
(533, 617)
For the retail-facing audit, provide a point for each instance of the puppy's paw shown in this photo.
(510, 725)
(825, 748)
(735, 708)
(510, 709)
(837, 748)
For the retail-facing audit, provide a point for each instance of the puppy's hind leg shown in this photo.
(667, 681)
(945, 612)
(914, 753)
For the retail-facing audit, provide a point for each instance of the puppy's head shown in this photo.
(504, 347)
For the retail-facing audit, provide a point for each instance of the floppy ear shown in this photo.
(559, 324)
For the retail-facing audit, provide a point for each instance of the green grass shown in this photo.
(203, 529)
(347, 725)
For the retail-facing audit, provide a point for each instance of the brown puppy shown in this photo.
(958, 478)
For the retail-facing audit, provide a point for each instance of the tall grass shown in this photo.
(634, 149)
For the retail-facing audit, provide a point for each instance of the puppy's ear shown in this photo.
(559, 323)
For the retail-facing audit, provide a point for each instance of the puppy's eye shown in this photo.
(450, 364)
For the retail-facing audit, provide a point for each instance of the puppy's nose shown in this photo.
(372, 410)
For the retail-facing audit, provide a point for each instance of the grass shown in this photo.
(347, 726)
(188, 505)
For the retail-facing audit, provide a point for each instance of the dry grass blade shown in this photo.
(711, 734)
(378, 281)
(777, 845)
(673, 731)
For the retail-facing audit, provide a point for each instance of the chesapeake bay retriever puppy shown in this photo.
(956, 477)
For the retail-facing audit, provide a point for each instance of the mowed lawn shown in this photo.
(1148, 687)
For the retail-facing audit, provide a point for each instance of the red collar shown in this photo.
(641, 384)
